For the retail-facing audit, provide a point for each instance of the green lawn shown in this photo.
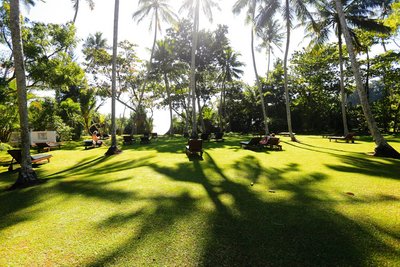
(152, 206)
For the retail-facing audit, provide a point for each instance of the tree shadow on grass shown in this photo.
(15, 201)
(368, 165)
(296, 226)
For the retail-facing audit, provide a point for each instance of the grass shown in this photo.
(316, 203)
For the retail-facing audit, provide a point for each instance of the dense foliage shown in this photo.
(74, 91)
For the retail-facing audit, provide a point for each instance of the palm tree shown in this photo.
(75, 4)
(164, 64)
(27, 175)
(230, 69)
(113, 148)
(302, 12)
(356, 15)
(382, 147)
(158, 9)
(268, 11)
(93, 44)
(193, 6)
(271, 36)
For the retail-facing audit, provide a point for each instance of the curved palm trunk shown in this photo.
(203, 127)
(342, 92)
(288, 115)
(113, 149)
(193, 67)
(260, 93)
(27, 175)
(221, 107)
(382, 147)
(76, 11)
(171, 126)
(151, 54)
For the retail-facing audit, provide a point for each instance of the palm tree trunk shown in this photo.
(171, 126)
(203, 127)
(264, 110)
(76, 11)
(367, 75)
(151, 55)
(288, 115)
(342, 92)
(382, 147)
(113, 149)
(221, 106)
(193, 66)
(27, 175)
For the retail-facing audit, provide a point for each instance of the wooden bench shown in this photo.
(285, 133)
(272, 142)
(348, 138)
(47, 146)
(16, 155)
(194, 146)
(89, 143)
(253, 143)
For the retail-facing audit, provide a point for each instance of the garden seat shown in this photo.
(253, 143)
(194, 146)
(219, 136)
(145, 139)
(271, 142)
(16, 155)
(47, 146)
(348, 138)
(205, 136)
(128, 139)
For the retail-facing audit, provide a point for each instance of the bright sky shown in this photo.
(101, 20)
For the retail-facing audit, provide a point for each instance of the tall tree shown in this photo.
(193, 6)
(75, 4)
(229, 65)
(113, 148)
(382, 147)
(26, 175)
(327, 18)
(271, 37)
(301, 11)
(268, 11)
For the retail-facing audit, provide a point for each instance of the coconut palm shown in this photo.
(271, 37)
(26, 174)
(166, 66)
(158, 9)
(358, 16)
(230, 69)
(75, 4)
(299, 7)
(113, 148)
(193, 7)
(382, 147)
(268, 11)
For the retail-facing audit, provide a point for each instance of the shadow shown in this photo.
(368, 165)
(298, 225)
(217, 217)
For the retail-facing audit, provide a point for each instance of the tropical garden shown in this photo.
(313, 203)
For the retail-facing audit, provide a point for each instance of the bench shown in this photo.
(253, 143)
(89, 143)
(271, 142)
(194, 146)
(285, 133)
(47, 146)
(348, 138)
(16, 155)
